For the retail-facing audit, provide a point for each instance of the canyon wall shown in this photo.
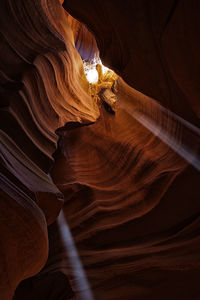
(130, 201)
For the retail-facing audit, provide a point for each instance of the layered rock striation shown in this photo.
(123, 180)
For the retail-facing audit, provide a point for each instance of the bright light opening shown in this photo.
(92, 75)
(90, 70)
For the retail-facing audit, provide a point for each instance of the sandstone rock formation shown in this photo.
(42, 88)
(127, 182)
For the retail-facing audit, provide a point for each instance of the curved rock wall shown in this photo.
(135, 227)
(153, 45)
(130, 201)
(42, 88)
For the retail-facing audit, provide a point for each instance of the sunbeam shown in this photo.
(81, 282)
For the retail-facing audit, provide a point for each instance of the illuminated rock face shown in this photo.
(42, 88)
(131, 202)
(150, 46)
(125, 202)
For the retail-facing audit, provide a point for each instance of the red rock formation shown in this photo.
(153, 45)
(134, 237)
(42, 88)
(130, 201)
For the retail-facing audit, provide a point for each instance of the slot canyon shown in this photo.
(100, 150)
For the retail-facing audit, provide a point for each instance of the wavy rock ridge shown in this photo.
(42, 88)
(130, 200)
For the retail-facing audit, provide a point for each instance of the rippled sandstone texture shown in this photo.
(42, 88)
(131, 202)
